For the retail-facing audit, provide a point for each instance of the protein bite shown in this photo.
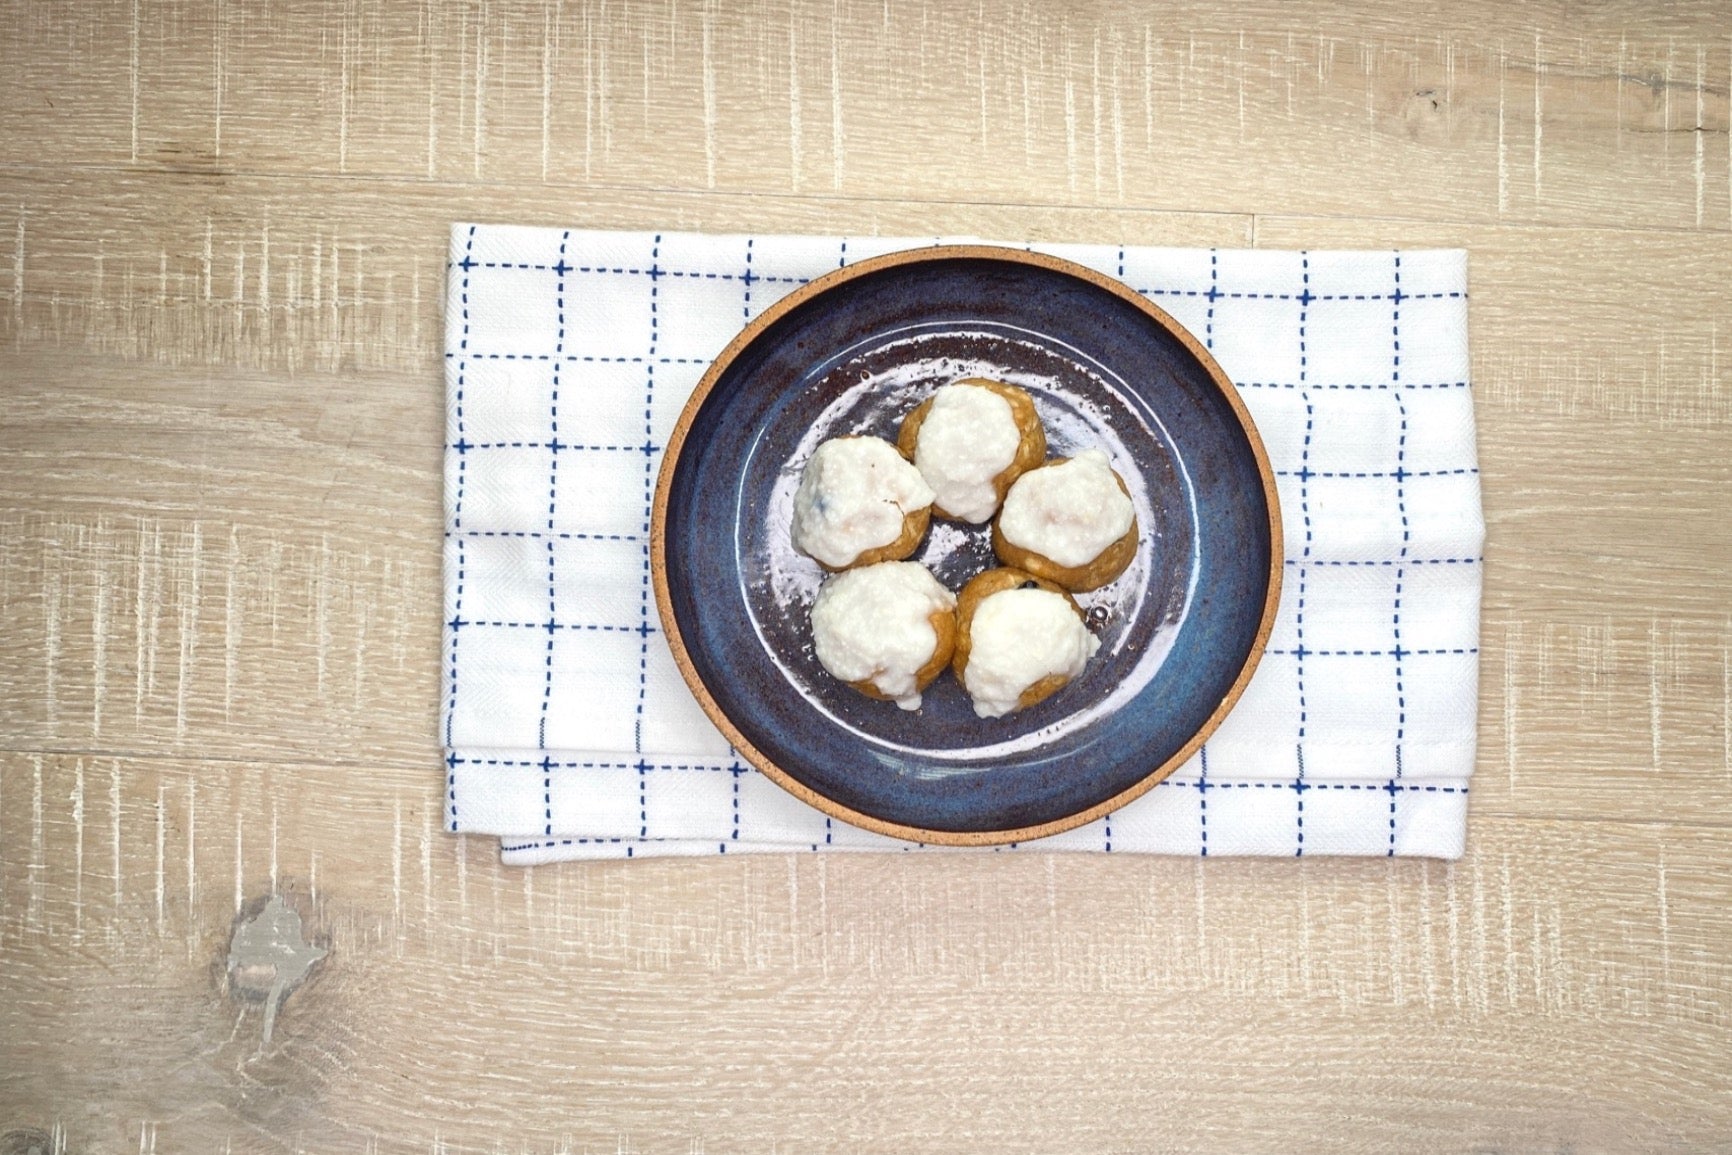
(887, 630)
(859, 502)
(1019, 639)
(971, 440)
(1070, 521)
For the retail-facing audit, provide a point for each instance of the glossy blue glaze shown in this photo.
(1176, 630)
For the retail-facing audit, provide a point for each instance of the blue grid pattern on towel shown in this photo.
(569, 355)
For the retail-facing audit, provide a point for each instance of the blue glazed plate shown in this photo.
(853, 353)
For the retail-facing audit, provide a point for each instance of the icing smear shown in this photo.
(852, 497)
(1019, 637)
(873, 624)
(969, 437)
(1069, 511)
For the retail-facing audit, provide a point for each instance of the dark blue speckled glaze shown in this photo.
(1177, 629)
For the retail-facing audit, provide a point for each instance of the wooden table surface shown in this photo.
(220, 452)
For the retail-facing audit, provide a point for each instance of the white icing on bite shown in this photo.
(852, 497)
(1019, 637)
(969, 437)
(873, 624)
(1068, 512)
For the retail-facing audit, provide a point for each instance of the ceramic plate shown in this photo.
(852, 353)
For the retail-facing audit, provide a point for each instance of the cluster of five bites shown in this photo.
(968, 420)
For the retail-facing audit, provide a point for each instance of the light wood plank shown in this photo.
(194, 545)
(1494, 112)
(303, 632)
(1563, 985)
(326, 273)
(219, 460)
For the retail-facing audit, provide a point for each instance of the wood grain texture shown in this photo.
(222, 234)
(735, 1003)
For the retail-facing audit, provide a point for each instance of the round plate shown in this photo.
(852, 353)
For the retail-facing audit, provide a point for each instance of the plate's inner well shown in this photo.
(868, 389)
(1175, 628)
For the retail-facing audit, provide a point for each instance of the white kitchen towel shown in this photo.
(567, 729)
